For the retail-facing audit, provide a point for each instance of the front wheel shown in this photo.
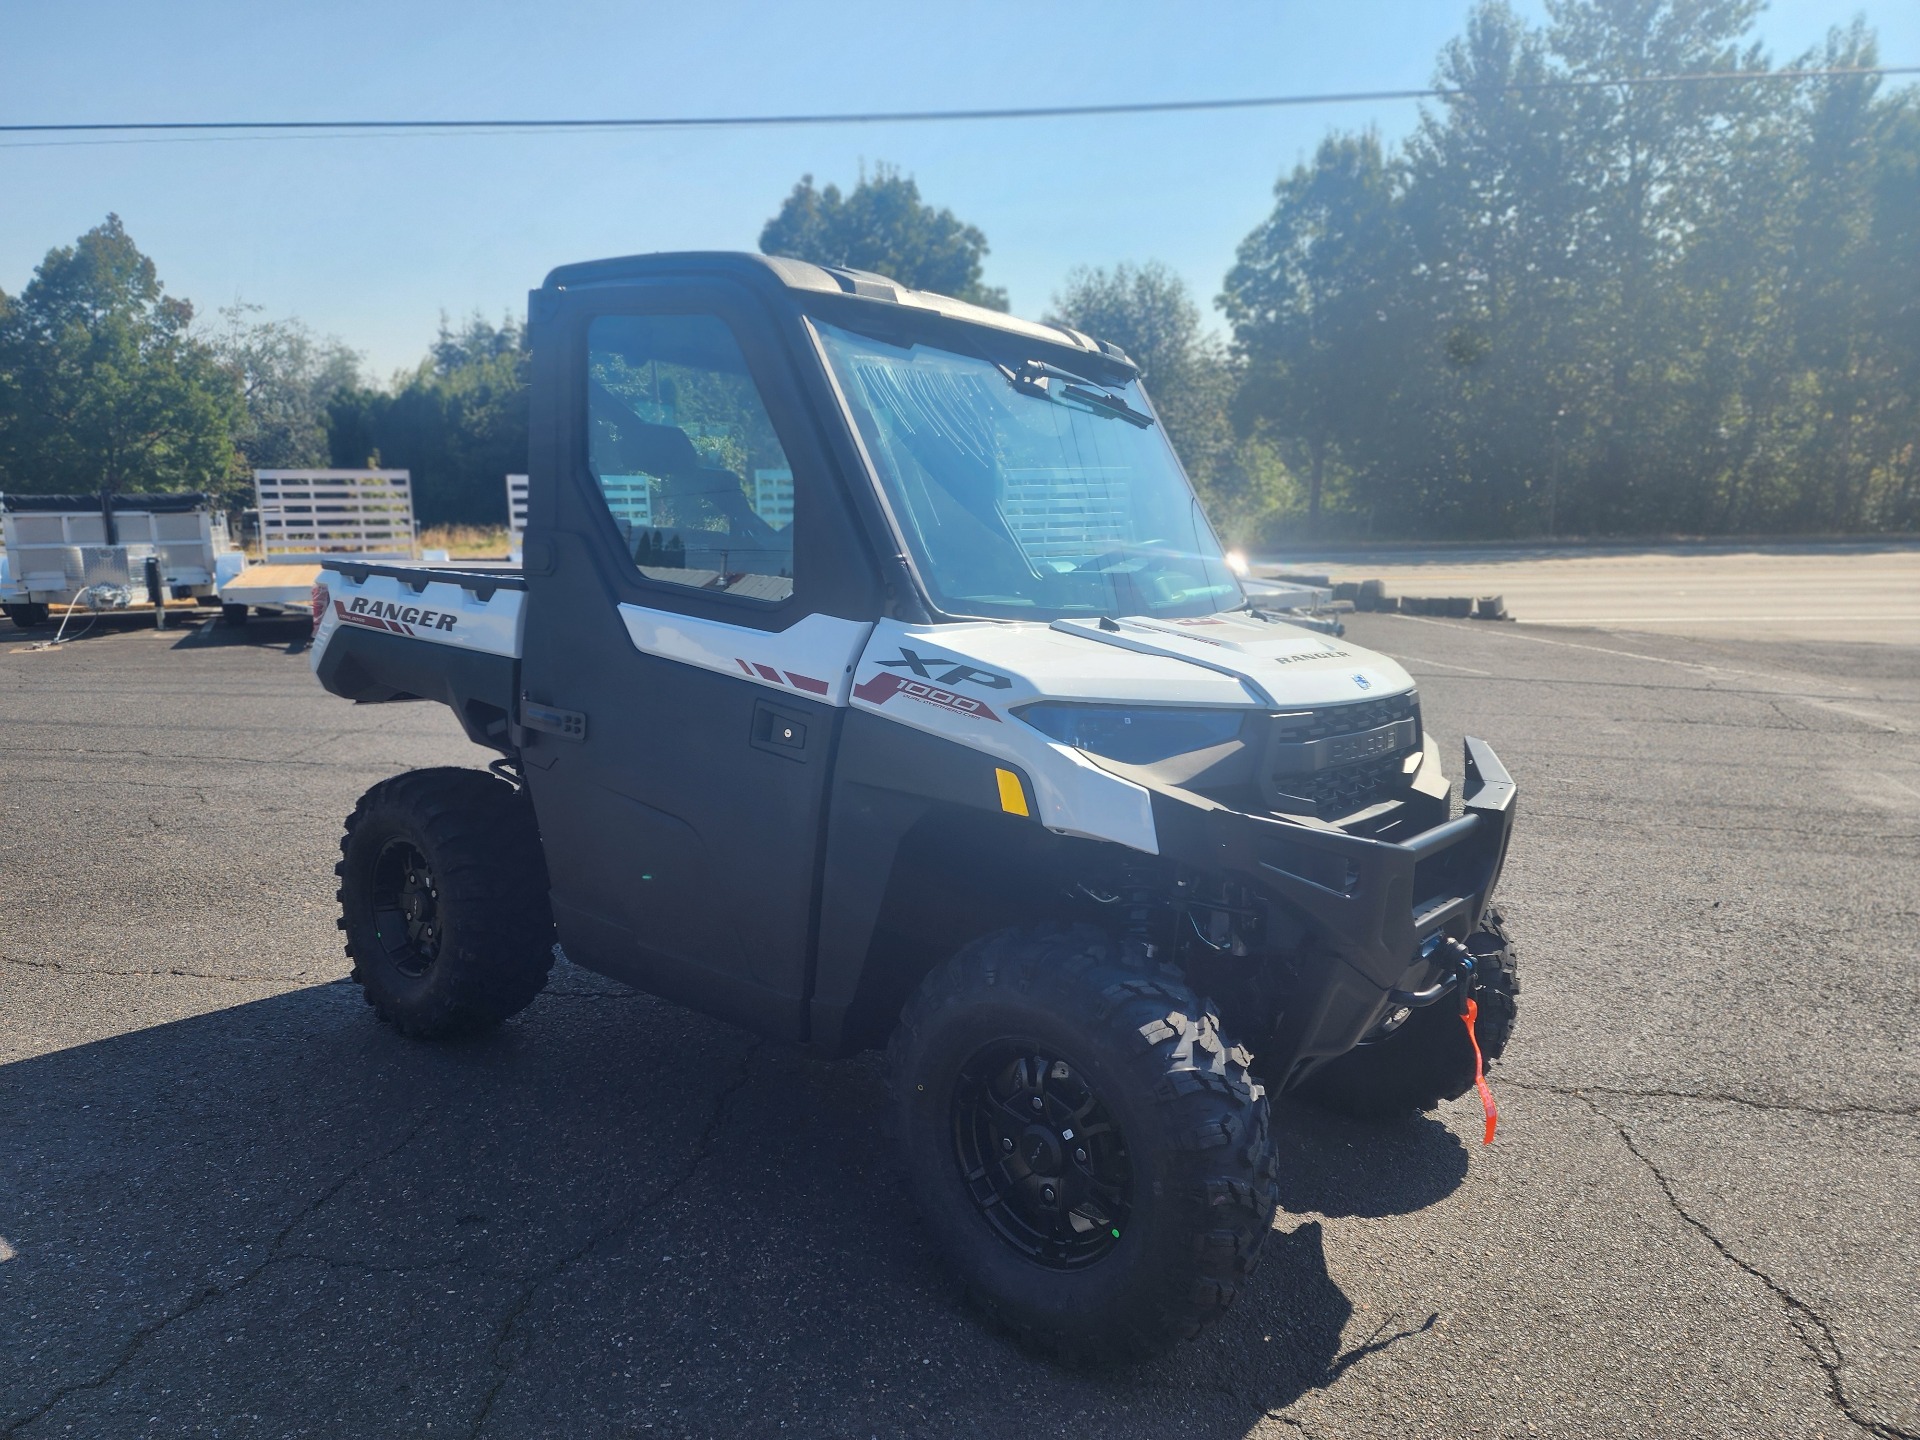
(1089, 1150)
(443, 898)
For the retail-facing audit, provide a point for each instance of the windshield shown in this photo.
(1028, 492)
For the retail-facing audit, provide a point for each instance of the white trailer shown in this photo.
(116, 551)
(308, 517)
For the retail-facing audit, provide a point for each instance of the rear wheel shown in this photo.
(233, 614)
(443, 898)
(1088, 1149)
(1428, 1058)
(26, 616)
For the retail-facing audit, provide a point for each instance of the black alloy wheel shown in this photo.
(406, 910)
(1040, 1154)
(1087, 1148)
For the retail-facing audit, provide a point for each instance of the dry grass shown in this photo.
(467, 542)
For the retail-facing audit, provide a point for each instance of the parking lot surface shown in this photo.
(1864, 591)
(233, 1204)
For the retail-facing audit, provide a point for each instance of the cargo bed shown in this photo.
(404, 632)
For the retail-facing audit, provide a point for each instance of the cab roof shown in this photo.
(804, 276)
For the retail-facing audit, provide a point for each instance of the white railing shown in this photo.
(311, 513)
(516, 509)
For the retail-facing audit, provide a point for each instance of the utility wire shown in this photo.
(269, 129)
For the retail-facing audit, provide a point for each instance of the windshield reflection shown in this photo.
(1028, 501)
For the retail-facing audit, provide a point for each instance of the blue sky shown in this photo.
(370, 239)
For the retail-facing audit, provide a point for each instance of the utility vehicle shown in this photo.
(873, 678)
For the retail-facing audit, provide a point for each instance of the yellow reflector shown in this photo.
(1013, 799)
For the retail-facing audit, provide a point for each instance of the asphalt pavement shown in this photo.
(232, 1204)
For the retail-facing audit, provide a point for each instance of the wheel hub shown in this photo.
(1040, 1155)
(406, 907)
(1041, 1149)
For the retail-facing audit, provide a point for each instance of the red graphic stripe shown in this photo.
(767, 672)
(370, 622)
(808, 683)
(882, 688)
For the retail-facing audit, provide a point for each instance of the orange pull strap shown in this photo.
(1480, 1072)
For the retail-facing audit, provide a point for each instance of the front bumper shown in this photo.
(1367, 906)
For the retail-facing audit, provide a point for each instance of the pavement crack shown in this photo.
(87, 970)
(702, 1149)
(1709, 1097)
(207, 1293)
(1812, 1327)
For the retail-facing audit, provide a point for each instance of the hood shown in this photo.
(1278, 664)
(1226, 660)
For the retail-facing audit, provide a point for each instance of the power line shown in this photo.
(267, 129)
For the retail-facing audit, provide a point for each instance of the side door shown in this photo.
(697, 597)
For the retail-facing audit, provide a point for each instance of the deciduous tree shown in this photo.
(102, 383)
(884, 226)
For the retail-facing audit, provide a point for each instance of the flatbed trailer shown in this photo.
(273, 587)
(310, 517)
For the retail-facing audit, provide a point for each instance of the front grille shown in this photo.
(1349, 719)
(1327, 791)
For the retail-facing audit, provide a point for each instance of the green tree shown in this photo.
(458, 422)
(1147, 311)
(882, 225)
(287, 379)
(102, 385)
(1311, 302)
(1488, 311)
(1601, 308)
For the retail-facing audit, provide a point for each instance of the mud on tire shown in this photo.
(1427, 1059)
(1188, 1119)
(443, 900)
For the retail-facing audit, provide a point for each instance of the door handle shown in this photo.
(779, 731)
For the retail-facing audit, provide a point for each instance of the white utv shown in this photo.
(874, 679)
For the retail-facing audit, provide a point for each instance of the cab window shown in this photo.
(685, 456)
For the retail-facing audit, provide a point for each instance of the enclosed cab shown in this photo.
(874, 677)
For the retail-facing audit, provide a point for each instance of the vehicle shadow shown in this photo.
(1334, 1166)
(611, 1216)
(289, 634)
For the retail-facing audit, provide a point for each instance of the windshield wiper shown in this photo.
(1028, 376)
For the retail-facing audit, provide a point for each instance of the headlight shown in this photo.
(1133, 735)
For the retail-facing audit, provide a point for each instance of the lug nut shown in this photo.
(1081, 1156)
(1006, 1142)
(1037, 1103)
(1046, 1194)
